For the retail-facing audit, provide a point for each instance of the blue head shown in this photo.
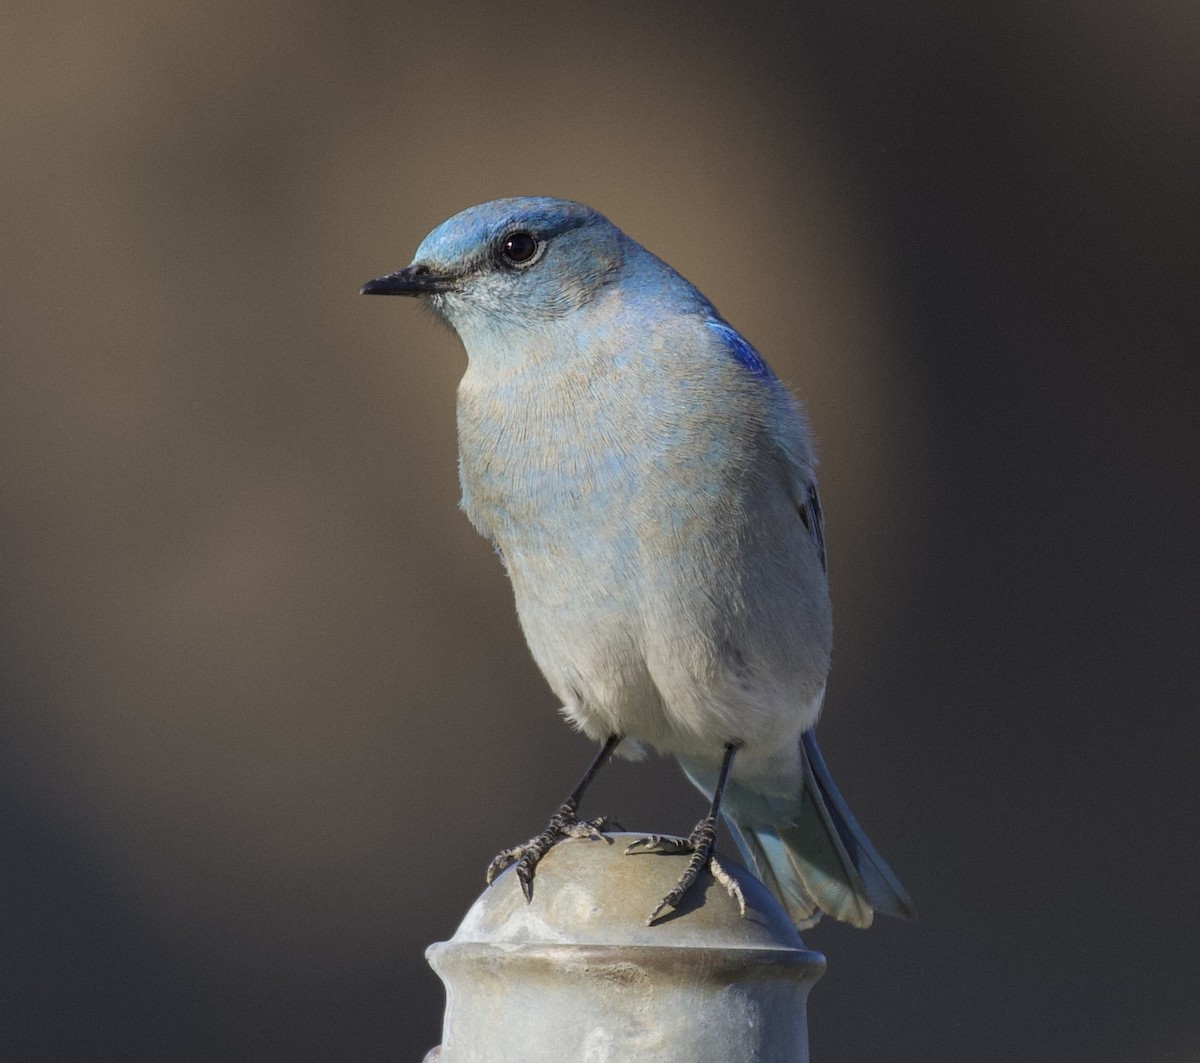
(518, 261)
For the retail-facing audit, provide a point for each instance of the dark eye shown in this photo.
(518, 247)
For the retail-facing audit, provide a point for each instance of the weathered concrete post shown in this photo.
(575, 975)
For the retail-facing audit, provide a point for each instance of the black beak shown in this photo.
(412, 280)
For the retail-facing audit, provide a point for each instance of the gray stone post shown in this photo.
(576, 975)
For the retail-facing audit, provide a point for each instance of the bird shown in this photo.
(649, 484)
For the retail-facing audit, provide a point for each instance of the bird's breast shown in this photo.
(652, 545)
(537, 463)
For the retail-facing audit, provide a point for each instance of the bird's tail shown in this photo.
(808, 849)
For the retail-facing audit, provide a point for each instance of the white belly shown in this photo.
(685, 627)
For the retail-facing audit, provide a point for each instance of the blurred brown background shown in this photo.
(266, 712)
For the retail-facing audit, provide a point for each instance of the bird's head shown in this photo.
(519, 262)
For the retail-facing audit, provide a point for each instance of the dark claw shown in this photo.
(700, 844)
(563, 824)
(525, 868)
(657, 843)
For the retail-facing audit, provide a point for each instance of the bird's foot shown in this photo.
(701, 844)
(563, 824)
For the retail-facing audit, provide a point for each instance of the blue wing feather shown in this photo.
(741, 351)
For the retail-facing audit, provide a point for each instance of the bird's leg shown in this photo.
(700, 843)
(565, 823)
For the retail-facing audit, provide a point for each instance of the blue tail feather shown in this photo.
(808, 849)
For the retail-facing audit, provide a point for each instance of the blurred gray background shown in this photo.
(266, 711)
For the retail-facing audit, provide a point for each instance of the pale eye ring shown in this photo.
(518, 248)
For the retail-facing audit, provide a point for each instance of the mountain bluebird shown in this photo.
(649, 484)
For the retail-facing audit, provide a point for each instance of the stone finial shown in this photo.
(576, 975)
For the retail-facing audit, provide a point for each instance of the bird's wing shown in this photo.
(812, 518)
(789, 432)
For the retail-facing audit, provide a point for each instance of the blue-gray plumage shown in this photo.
(650, 486)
